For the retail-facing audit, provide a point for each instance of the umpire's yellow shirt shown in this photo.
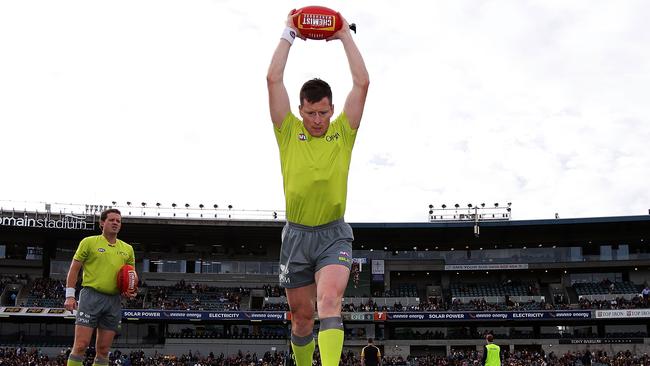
(315, 170)
(101, 262)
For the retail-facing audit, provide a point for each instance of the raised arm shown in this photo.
(356, 99)
(278, 98)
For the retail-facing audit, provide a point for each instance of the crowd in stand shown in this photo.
(509, 305)
(43, 289)
(197, 296)
(274, 291)
(437, 304)
(636, 302)
(191, 296)
(233, 332)
(517, 358)
(278, 306)
(13, 278)
(21, 356)
(33, 357)
(138, 358)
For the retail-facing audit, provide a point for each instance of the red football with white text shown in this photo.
(317, 22)
(127, 279)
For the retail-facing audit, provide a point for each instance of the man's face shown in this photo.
(316, 116)
(112, 224)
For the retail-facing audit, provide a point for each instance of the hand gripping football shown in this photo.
(127, 279)
(318, 22)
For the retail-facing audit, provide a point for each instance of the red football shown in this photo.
(127, 279)
(317, 22)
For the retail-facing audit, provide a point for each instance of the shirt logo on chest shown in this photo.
(333, 137)
(101, 250)
(302, 137)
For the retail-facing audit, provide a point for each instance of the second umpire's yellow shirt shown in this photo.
(101, 262)
(315, 170)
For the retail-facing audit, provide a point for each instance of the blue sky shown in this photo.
(538, 103)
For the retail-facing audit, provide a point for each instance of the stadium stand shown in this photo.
(44, 292)
(433, 306)
(194, 296)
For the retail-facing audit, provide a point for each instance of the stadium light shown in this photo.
(444, 206)
(187, 205)
(158, 204)
(457, 205)
(430, 206)
(483, 204)
(469, 205)
(144, 204)
(215, 206)
(496, 204)
(128, 203)
(230, 207)
(114, 203)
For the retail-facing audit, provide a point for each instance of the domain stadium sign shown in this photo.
(48, 221)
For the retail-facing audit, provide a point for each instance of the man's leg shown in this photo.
(301, 302)
(331, 282)
(102, 346)
(82, 336)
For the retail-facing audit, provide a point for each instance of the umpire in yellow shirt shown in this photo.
(316, 252)
(99, 306)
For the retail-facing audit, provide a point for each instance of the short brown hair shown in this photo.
(105, 213)
(314, 91)
(489, 338)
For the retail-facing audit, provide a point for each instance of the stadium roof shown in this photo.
(399, 236)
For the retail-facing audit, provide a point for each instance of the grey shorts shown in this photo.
(307, 249)
(98, 310)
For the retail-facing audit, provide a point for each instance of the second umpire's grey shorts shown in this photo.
(98, 310)
(307, 249)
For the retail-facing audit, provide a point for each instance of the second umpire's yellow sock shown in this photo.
(303, 349)
(74, 360)
(330, 340)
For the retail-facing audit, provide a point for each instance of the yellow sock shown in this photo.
(303, 354)
(330, 341)
(74, 360)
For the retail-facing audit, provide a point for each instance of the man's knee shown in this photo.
(302, 321)
(329, 302)
(80, 345)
